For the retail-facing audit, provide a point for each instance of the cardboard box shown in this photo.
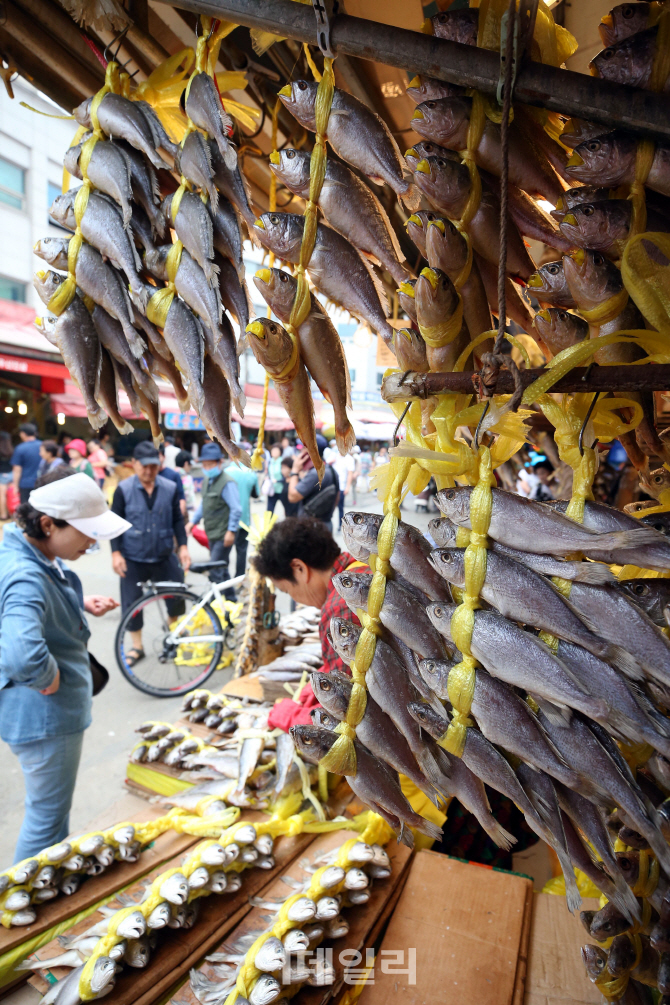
(556, 974)
(467, 925)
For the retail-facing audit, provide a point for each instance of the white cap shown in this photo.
(78, 500)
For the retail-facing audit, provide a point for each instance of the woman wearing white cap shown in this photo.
(45, 672)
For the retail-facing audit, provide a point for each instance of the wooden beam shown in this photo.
(418, 386)
(575, 94)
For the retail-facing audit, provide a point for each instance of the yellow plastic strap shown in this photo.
(341, 758)
(444, 333)
(648, 877)
(160, 303)
(475, 132)
(461, 681)
(607, 311)
(647, 281)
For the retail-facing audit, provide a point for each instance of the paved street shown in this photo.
(120, 708)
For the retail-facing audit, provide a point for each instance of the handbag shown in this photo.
(99, 674)
(267, 488)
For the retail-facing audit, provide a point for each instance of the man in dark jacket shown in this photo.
(220, 510)
(150, 502)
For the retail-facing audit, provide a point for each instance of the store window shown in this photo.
(380, 377)
(11, 290)
(12, 184)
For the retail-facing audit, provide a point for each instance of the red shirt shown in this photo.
(288, 712)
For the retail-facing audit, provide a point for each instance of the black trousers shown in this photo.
(24, 493)
(241, 544)
(140, 572)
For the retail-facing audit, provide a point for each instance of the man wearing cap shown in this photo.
(221, 509)
(46, 681)
(146, 550)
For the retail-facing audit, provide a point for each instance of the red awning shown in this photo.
(37, 367)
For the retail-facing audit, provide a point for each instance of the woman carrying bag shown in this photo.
(46, 679)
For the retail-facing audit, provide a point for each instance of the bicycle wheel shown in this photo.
(169, 669)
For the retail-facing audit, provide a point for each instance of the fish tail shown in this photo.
(427, 827)
(625, 662)
(502, 838)
(572, 894)
(411, 198)
(346, 438)
(594, 573)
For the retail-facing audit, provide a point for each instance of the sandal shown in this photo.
(134, 656)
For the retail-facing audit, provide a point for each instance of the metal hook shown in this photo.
(584, 423)
(116, 39)
(395, 431)
(479, 424)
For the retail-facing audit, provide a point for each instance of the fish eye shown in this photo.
(283, 278)
(324, 685)
(445, 556)
(429, 104)
(598, 259)
(443, 19)
(430, 216)
(358, 518)
(593, 145)
(588, 210)
(272, 328)
(273, 219)
(307, 740)
(553, 270)
(429, 666)
(438, 612)
(607, 53)
(563, 315)
(344, 631)
(302, 85)
(346, 582)
(441, 162)
(640, 589)
(450, 494)
(421, 715)
(627, 11)
(659, 479)
(290, 154)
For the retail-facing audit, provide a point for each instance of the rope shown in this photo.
(504, 173)
(341, 758)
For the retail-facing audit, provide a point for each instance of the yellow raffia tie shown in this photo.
(160, 303)
(258, 456)
(608, 310)
(475, 132)
(66, 292)
(461, 681)
(341, 758)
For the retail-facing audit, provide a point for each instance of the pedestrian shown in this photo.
(303, 486)
(273, 483)
(45, 671)
(220, 511)
(170, 452)
(50, 454)
(356, 455)
(6, 451)
(173, 475)
(543, 470)
(246, 480)
(364, 467)
(183, 469)
(382, 456)
(26, 460)
(290, 508)
(146, 550)
(345, 466)
(287, 450)
(99, 460)
(77, 452)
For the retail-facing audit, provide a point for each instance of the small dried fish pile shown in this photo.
(299, 627)
(128, 935)
(130, 307)
(292, 665)
(61, 869)
(285, 956)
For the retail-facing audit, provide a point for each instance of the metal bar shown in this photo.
(417, 386)
(562, 91)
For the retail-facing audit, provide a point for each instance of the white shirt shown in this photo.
(343, 465)
(171, 452)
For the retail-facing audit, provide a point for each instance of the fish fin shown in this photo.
(624, 539)
(430, 829)
(370, 257)
(560, 716)
(346, 439)
(391, 232)
(502, 838)
(625, 900)
(242, 344)
(347, 378)
(572, 894)
(594, 573)
(622, 660)
(378, 285)
(229, 157)
(411, 199)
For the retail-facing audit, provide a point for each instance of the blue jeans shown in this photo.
(49, 772)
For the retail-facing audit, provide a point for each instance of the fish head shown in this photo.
(327, 907)
(443, 532)
(278, 289)
(16, 900)
(46, 283)
(234, 883)
(550, 287)
(232, 852)
(344, 635)
(422, 713)
(594, 959)
(356, 879)
(264, 844)
(214, 854)
(82, 113)
(628, 61)
(442, 119)
(332, 693)
(44, 877)
(655, 482)
(218, 881)
(445, 182)
(199, 877)
(90, 844)
(362, 530)
(58, 852)
(597, 225)
(454, 503)
(74, 863)
(440, 615)
(591, 277)
(53, 250)
(280, 233)
(62, 209)
(426, 88)
(607, 159)
(406, 298)
(332, 876)
(119, 950)
(270, 343)
(629, 865)
(445, 243)
(295, 941)
(321, 718)
(133, 926)
(175, 889)
(456, 25)
(353, 587)
(312, 742)
(559, 329)
(417, 223)
(300, 99)
(436, 674)
(426, 148)
(361, 852)
(246, 834)
(304, 908)
(410, 350)
(103, 972)
(271, 956)
(623, 20)
(160, 916)
(607, 923)
(450, 564)
(265, 990)
(435, 296)
(291, 167)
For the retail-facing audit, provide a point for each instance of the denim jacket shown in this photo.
(42, 628)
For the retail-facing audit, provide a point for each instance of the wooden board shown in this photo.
(361, 919)
(467, 926)
(178, 946)
(255, 689)
(96, 888)
(556, 974)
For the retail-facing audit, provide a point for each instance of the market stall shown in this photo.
(515, 264)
